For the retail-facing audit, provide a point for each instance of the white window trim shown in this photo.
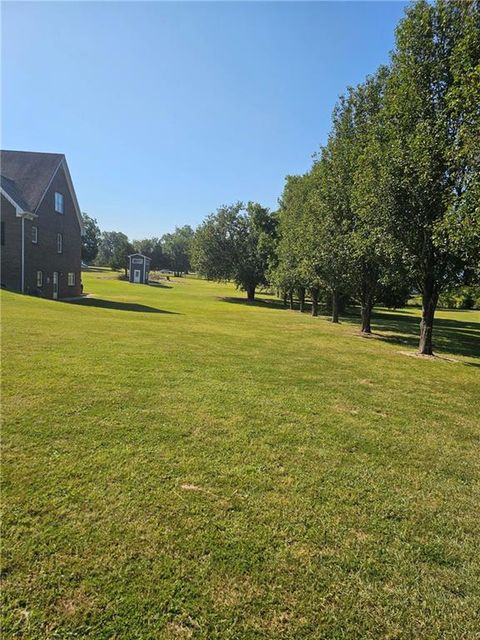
(39, 278)
(71, 277)
(59, 202)
(34, 234)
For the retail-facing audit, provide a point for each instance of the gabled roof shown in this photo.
(26, 176)
(141, 255)
(30, 173)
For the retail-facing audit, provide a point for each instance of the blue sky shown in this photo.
(165, 111)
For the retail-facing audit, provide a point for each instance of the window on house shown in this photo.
(34, 235)
(3, 233)
(59, 243)
(58, 202)
(39, 278)
(71, 279)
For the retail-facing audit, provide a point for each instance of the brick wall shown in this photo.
(43, 255)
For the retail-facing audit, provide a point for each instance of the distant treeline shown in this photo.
(112, 248)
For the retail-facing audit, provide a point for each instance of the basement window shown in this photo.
(71, 279)
(39, 278)
(35, 235)
(58, 202)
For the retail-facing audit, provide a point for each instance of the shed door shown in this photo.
(136, 275)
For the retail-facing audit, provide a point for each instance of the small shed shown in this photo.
(138, 268)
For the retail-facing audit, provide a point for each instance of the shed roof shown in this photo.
(140, 255)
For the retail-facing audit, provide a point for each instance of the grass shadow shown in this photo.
(276, 303)
(453, 336)
(258, 302)
(160, 285)
(118, 306)
(459, 337)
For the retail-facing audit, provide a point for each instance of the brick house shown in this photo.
(41, 225)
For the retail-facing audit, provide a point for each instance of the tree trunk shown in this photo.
(315, 295)
(366, 316)
(285, 296)
(335, 306)
(429, 305)
(290, 298)
(301, 297)
(250, 294)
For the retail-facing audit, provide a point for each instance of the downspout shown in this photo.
(23, 254)
(29, 216)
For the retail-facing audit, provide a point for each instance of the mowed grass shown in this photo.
(177, 464)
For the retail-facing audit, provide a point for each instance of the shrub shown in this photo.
(466, 297)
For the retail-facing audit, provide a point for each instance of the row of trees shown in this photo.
(392, 201)
(112, 248)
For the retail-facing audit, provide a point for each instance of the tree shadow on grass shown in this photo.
(453, 336)
(258, 302)
(402, 328)
(276, 303)
(118, 306)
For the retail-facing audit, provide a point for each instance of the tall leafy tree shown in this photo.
(235, 243)
(90, 238)
(429, 108)
(462, 224)
(114, 250)
(177, 247)
(329, 219)
(152, 247)
(294, 272)
(122, 250)
(375, 255)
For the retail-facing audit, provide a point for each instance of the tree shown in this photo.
(90, 238)
(432, 176)
(177, 248)
(235, 243)
(328, 219)
(114, 250)
(293, 271)
(376, 256)
(316, 218)
(462, 223)
(151, 247)
(122, 250)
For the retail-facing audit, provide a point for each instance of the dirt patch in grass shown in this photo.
(234, 591)
(179, 630)
(76, 603)
(422, 356)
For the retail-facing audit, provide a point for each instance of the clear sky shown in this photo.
(166, 111)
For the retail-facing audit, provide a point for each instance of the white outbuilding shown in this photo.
(138, 268)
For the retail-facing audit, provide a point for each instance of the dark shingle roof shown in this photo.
(12, 191)
(27, 174)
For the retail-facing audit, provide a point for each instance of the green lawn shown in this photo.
(177, 464)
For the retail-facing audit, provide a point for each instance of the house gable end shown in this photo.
(63, 166)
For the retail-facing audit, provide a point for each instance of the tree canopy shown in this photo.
(393, 197)
(90, 238)
(236, 243)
